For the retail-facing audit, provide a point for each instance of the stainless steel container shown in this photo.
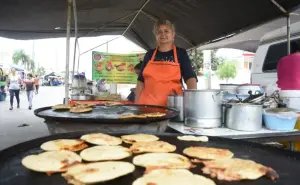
(176, 102)
(243, 116)
(202, 108)
(82, 97)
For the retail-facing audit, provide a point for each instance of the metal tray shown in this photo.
(286, 163)
(108, 114)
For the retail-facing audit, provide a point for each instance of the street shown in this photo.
(10, 133)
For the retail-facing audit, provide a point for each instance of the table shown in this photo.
(262, 136)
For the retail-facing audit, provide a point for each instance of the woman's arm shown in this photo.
(139, 88)
(191, 83)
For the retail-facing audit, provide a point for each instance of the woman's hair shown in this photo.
(162, 22)
(138, 66)
(295, 47)
(30, 75)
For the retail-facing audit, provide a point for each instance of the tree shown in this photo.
(41, 71)
(216, 61)
(21, 56)
(196, 57)
(31, 66)
(227, 70)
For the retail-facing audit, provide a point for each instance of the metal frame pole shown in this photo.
(288, 32)
(68, 51)
(76, 38)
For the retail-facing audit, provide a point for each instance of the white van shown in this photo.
(272, 47)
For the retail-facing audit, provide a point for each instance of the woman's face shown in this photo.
(165, 34)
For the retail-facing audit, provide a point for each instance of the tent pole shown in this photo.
(76, 38)
(288, 31)
(137, 14)
(68, 51)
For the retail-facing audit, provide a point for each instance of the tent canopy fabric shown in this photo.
(249, 40)
(197, 21)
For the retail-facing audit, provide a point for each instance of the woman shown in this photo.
(137, 69)
(14, 82)
(29, 82)
(37, 84)
(288, 69)
(164, 68)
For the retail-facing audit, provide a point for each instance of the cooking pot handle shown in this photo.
(228, 106)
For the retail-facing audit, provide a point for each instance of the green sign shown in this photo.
(115, 68)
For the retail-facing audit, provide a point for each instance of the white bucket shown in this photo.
(230, 88)
(291, 98)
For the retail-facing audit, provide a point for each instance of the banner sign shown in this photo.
(115, 68)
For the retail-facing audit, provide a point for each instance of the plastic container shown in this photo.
(280, 119)
(291, 98)
(230, 88)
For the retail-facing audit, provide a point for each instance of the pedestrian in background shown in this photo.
(37, 84)
(29, 83)
(14, 83)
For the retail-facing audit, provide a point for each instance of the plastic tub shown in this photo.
(291, 98)
(280, 119)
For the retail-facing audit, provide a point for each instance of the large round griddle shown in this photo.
(107, 114)
(286, 163)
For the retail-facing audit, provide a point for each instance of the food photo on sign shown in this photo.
(115, 68)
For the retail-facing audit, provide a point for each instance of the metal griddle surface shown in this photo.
(286, 163)
(105, 114)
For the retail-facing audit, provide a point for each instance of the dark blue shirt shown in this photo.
(186, 69)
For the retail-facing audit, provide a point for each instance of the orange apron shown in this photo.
(161, 78)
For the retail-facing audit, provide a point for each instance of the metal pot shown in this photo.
(82, 97)
(202, 108)
(243, 116)
(176, 102)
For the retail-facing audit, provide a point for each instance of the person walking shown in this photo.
(37, 84)
(14, 82)
(29, 83)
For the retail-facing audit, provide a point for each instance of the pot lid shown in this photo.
(249, 85)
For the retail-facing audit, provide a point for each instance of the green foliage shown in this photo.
(21, 56)
(227, 70)
(216, 61)
(40, 71)
(196, 57)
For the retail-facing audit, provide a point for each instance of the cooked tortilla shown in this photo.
(193, 138)
(154, 114)
(85, 104)
(97, 172)
(51, 162)
(172, 177)
(112, 103)
(237, 169)
(207, 153)
(64, 144)
(102, 153)
(128, 116)
(152, 147)
(139, 138)
(101, 139)
(61, 107)
(80, 109)
(165, 160)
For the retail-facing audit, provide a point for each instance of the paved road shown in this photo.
(10, 133)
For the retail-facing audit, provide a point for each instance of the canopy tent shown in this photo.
(197, 21)
(249, 40)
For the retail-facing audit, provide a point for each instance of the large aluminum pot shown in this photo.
(176, 102)
(82, 97)
(202, 108)
(243, 116)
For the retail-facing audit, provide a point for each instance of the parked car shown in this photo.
(272, 47)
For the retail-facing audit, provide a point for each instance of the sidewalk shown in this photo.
(10, 133)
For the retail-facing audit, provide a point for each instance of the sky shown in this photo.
(51, 53)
